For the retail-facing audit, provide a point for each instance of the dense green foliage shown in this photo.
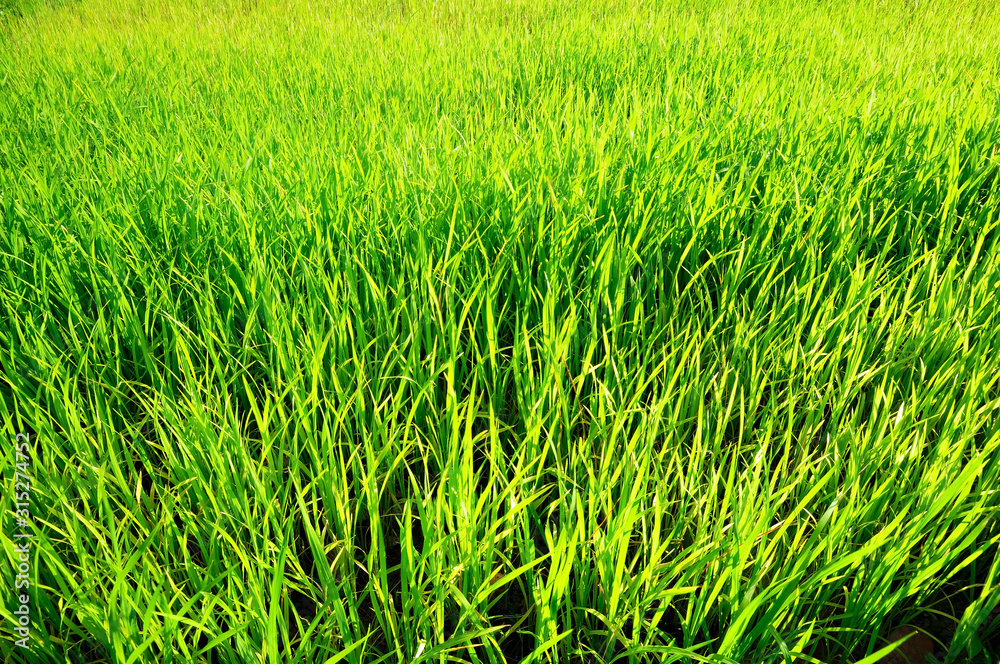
(565, 330)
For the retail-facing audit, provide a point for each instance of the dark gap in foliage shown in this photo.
(144, 476)
(511, 607)
(671, 624)
(873, 307)
(191, 541)
(303, 551)
(362, 546)
(203, 640)
(392, 535)
(88, 651)
(304, 607)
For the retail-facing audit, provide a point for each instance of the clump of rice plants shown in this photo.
(628, 331)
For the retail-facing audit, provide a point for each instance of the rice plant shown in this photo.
(505, 331)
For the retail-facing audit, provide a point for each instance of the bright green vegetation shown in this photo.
(563, 331)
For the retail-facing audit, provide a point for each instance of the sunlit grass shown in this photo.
(499, 332)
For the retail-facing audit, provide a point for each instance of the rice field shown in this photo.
(505, 331)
